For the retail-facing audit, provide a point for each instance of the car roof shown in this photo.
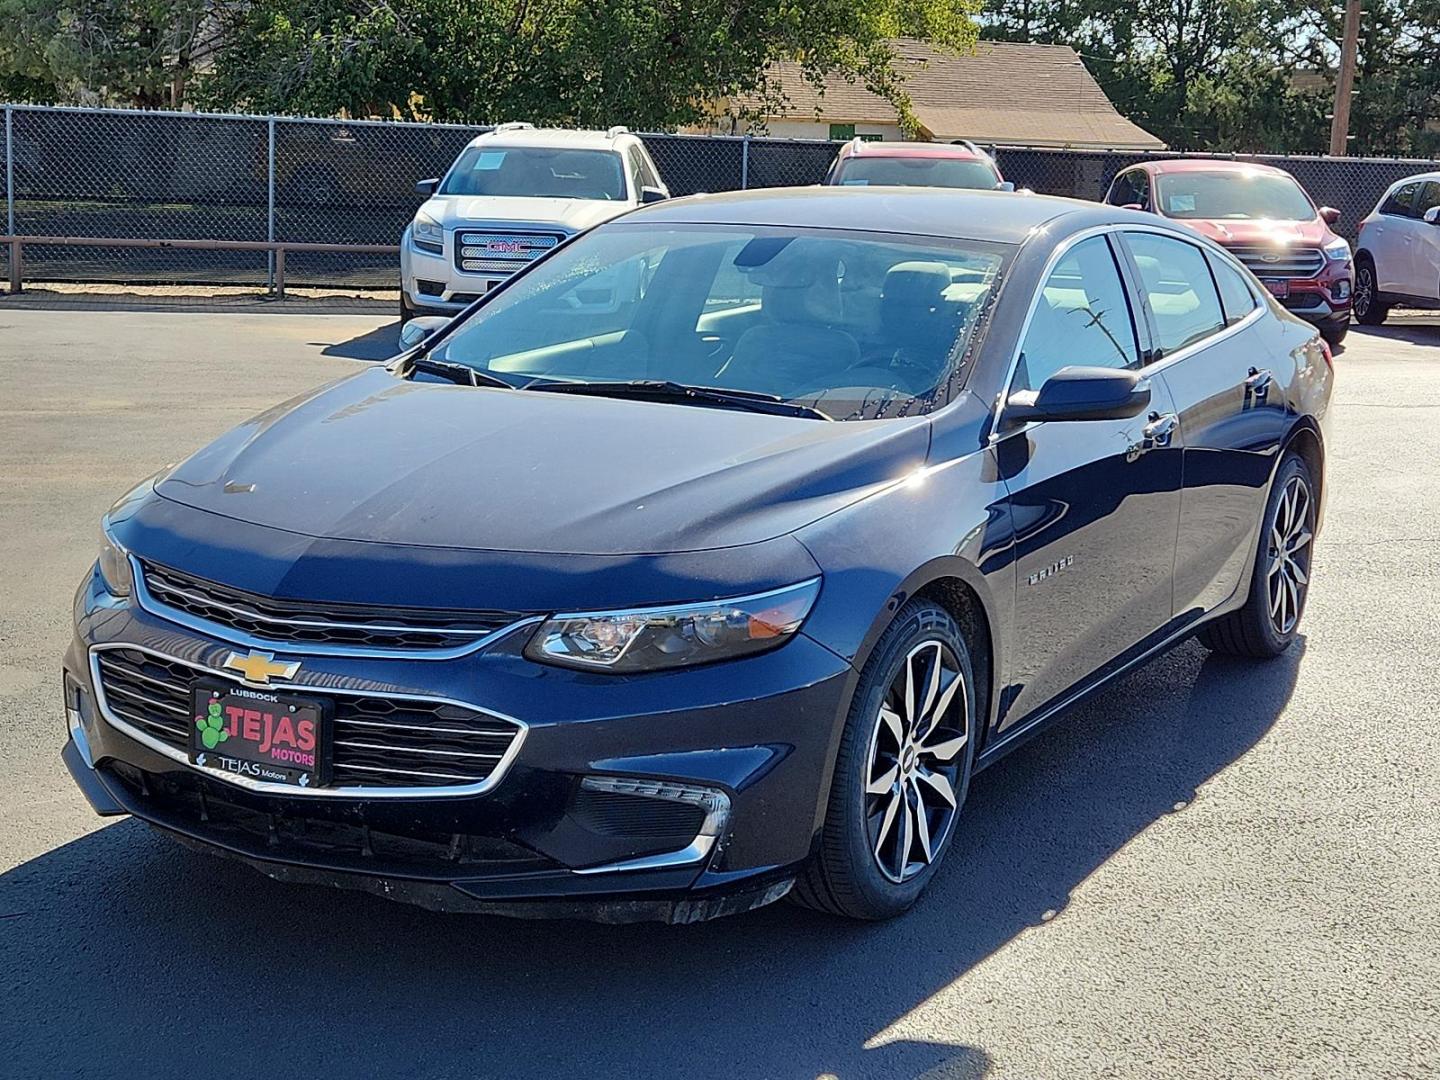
(911, 149)
(955, 213)
(1222, 165)
(554, 137)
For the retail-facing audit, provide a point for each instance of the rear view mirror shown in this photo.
(419, 328)
(1329, 215)
(1082, 393)
(652, 195)
(427, 188)
(1432, 216)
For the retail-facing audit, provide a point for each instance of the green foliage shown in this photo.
(132, 52)
(644, 63)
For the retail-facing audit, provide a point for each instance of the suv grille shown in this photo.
(302, 622)
(1279, 262)
(378, 741)
(478, 251)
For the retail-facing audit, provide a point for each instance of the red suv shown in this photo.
(1265, 218)
(909, 164)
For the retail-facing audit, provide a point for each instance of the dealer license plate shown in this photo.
(273, 738)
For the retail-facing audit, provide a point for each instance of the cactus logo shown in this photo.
(212, 727)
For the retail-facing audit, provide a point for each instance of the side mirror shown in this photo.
(1432, 216)
(1329, 215)
(1082, 393)
(415, 331)
(427, 188)
(652, 195)
(1005, 185)
(1133, 206)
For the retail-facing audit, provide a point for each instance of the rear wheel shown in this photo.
(1270, 619)
(902, 772)
(1367, 306)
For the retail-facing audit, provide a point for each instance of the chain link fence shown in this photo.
(184, 176)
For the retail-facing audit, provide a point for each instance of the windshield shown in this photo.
(1237, 196)
(856, 325)
(537, 171)
(916, 172)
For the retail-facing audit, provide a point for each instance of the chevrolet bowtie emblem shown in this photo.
(260, 667)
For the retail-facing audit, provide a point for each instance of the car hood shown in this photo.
(379, 459)
(572, 215)
(1262, 232)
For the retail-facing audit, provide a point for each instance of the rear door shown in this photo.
(1391, 237)
(1095, 503)
(1218, 359)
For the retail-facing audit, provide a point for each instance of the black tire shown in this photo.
(1255, 630)
(1334, 333)
(846, 877)
(1368, 308)
(406, 311)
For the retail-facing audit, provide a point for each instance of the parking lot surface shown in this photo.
(1215, 868)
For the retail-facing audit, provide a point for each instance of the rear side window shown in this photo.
(1081, 317)
(1401, 200)
(1177, 285)
(1236, 296)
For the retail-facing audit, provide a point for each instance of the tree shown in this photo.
(132, 52)
(652, 64)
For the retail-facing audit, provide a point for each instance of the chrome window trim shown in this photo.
(160, 609)
(996, 435)
(290, 791)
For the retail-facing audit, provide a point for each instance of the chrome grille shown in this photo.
(478, 251)
(305, 622)
(1280, 262)
(377, 741)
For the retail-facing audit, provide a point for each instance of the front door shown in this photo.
(1095, 503)
(1425, 246)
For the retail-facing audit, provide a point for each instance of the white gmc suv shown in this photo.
(512, 195)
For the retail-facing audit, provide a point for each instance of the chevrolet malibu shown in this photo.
(708, 559)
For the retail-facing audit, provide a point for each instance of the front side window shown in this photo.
(537, 171)
(1428, 199)
(854, 324)
(1176, 282)
(1400, 201)
(916, 172)
(1130, 189)
(1080, 318)
(1233, 195)
(1236, 296)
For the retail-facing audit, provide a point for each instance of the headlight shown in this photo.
(114, 564)
(1337, 251)
(427, 234)
(650, 639)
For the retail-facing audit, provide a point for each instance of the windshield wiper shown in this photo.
(463, 374)
(669, 390)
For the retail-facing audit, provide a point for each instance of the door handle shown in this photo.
(1155, 435)
(1257, 385)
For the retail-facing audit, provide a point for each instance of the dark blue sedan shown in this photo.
(708, 559)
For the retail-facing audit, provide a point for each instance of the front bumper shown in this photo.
(757, 732)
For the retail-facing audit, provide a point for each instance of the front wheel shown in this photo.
(1334, 333)
(1270, 619)
(1369, 311)
(902, 772)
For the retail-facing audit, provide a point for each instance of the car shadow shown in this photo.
(379, 344)
(1413, 330)
(200, 302)
(121, 946)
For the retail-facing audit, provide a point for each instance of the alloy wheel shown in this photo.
(915, 760)
(1288, 567)
(1364, 291)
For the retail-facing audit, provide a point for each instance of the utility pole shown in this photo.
(1345, 82)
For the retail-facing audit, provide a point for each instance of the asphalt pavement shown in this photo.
(1214, 869)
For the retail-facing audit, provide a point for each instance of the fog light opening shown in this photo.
(713, 801)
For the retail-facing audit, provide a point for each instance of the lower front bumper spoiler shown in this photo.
(89, 783)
